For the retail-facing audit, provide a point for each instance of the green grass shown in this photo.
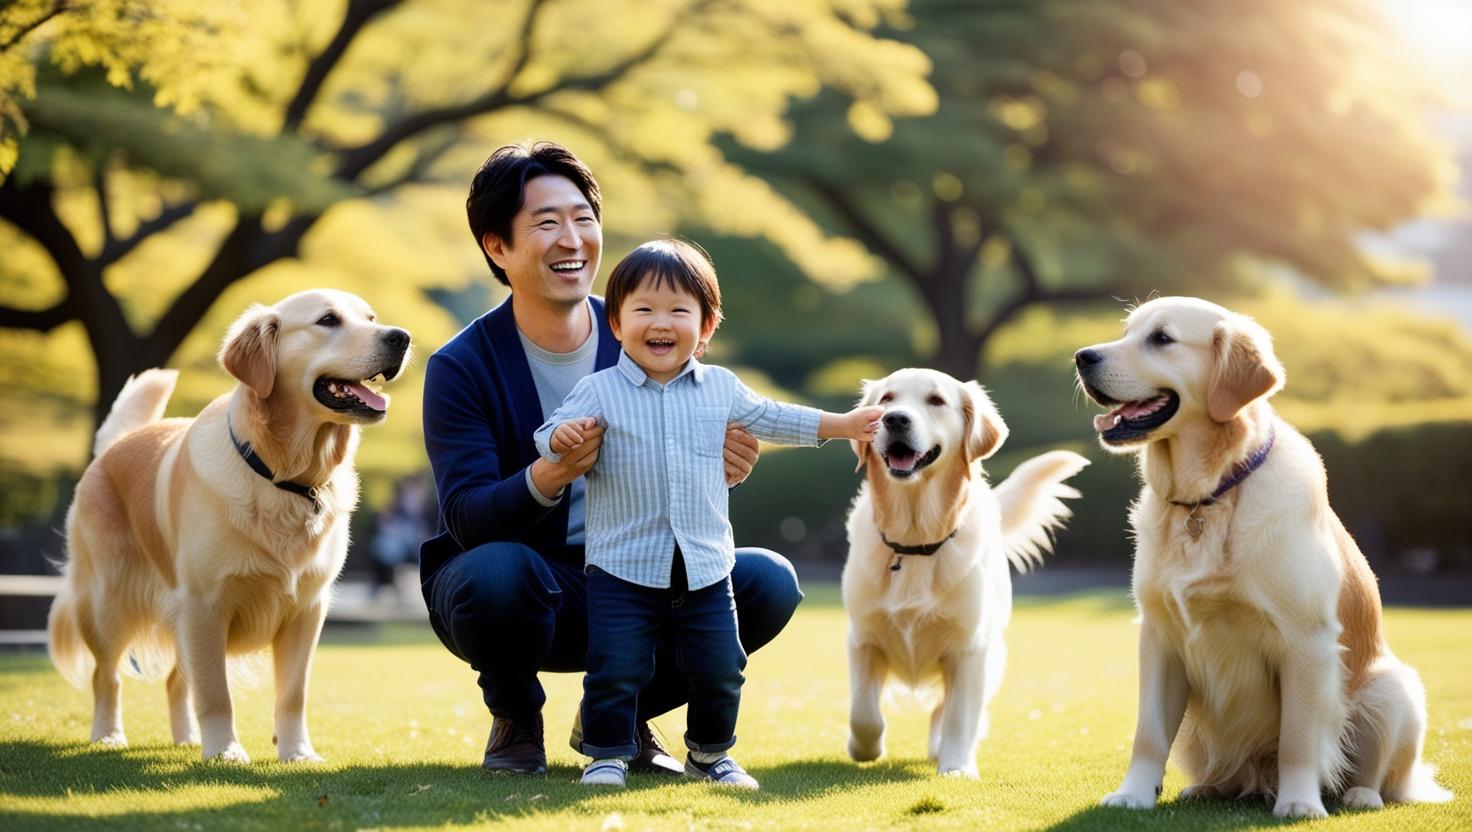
(401, 723)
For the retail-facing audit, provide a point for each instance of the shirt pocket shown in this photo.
(709, 425)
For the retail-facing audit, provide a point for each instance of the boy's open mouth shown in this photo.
(660, 346)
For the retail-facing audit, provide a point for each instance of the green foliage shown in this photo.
(404, 748)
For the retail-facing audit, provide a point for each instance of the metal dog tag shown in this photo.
(1194, 524)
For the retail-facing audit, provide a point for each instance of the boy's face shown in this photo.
(660, 327)
(555, 244)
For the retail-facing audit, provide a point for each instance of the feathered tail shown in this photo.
(140, 402)
(1032, 505)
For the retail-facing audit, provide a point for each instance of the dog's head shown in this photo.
(929, 418)
(1181, 359)
(319, 350)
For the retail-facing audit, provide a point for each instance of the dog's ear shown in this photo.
(249, 352)
(985, 430)
(864, 450)
(1243, 368)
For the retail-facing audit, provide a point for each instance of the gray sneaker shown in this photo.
(610, 772)
(723, 772)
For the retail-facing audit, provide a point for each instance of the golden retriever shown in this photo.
(926, 585)
(1259, 617)
(189, 540)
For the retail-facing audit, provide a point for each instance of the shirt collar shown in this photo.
(631, 370)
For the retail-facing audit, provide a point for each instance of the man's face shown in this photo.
(555, 244)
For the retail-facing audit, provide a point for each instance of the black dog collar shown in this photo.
(924, 549)
(260, 467)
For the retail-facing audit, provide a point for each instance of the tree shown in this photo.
(1086, 149)
(302, 121)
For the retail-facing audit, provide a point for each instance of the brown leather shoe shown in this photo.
(516, 745)
(652, 758)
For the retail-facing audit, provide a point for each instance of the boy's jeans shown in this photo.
(625, 621)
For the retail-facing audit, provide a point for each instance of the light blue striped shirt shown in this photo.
(660, 477)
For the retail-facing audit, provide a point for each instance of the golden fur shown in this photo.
(942, 615)
(179, 554)
(1260, 634)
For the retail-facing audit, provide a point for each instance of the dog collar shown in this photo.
(1240, 472)
(260, 467)
(925, 549)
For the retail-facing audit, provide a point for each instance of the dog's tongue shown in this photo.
(1129, 410)
(901, 461)
(368, 397)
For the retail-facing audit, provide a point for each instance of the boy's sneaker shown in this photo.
(723, 772)
(610, 772)
(652, 758)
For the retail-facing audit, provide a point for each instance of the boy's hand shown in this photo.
(569, 435)
(864, 422)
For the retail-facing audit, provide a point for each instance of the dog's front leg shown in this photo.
(1163, 690)
(292, 651)
(202, 638)
(867, 670)
(1311, 677)
(963, 712)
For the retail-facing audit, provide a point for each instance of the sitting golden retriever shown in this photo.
(192, 539)
(926, 585)
(1259, 617)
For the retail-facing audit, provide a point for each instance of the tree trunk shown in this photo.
(959, 348)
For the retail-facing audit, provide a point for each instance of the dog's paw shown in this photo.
(1361, 797)
(864, 752)
(1125, 800)
(116, 739)
(187, 739)
(230, 754)
(969, 772)
(1306, 808)
(300, 756)
(1202, 792)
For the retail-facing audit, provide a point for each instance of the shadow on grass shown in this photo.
(49, 786)
(1247, 813)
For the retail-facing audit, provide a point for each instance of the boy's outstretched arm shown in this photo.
(859, 424)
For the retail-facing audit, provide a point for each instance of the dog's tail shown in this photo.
(1032, 505)
(64, 639)
(140, 402)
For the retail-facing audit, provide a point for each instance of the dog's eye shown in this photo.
(886, 398)
(936, 401)
(330, 319)
(1161, 338)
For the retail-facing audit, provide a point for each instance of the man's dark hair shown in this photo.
(499, 189)
(681, 265)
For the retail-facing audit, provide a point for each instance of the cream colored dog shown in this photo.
(926, 585)
(192, 539)
(1259, 617)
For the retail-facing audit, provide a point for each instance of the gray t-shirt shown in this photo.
(555, 374)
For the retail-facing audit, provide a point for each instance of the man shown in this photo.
(504, 582)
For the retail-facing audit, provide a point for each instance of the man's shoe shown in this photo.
(516, 745)
(653, 757)
(723, 772)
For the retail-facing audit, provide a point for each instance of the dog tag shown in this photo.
(1194, 524)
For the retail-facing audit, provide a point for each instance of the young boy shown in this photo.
(659, 546)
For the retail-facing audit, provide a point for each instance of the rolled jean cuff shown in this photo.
(709, 747)
(612, 752)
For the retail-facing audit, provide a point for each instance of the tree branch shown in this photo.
(56, 8)
(1033, 293)
(867, 232)
(104, 208)
(40, 320)
(118, 249)
(417, 169)
(358, 159)
(359, 14)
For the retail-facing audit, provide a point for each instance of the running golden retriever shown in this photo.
(1260, 631)
(189, 540)
(926, 585)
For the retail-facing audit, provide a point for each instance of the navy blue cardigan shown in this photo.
(480, 409)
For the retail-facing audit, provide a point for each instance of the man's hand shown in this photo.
(741, 454)
(551, 477)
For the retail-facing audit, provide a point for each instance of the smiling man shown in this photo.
(504, 579)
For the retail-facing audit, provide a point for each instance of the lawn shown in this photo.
(401, 724)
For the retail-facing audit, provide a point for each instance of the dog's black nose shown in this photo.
(1086, 358)
(396, 338)
(896, 421)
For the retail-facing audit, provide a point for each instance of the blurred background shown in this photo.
(980, 186)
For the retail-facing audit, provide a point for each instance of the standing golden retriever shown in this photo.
(1259, 617)
(926, 585)
(192, 539)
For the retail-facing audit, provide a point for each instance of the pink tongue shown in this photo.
(1105, 421)
(1132, 410)
(901, 462)
(369, 397)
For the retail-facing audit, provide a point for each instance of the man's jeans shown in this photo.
(625, 621)
(511, 613)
